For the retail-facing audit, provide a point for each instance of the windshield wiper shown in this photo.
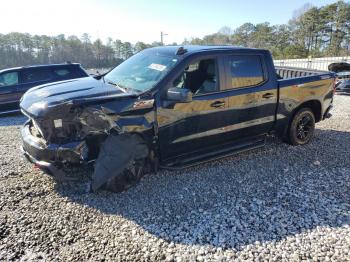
(117, 85)
(124, 88)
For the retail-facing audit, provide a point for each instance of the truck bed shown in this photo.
(293, 72)
(295, 76)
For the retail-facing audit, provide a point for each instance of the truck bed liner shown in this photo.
(296, 76)
(294, 72)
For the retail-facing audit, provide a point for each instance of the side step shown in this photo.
(214, 154)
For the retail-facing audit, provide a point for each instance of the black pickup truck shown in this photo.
(171, 107)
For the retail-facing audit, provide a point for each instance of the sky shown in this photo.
(137, 20)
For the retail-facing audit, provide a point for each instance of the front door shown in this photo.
(185, 128)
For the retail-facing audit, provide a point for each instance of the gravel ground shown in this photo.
(276, 203)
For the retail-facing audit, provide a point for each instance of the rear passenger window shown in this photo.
(35, 75)
(62, 72)
(245, 70)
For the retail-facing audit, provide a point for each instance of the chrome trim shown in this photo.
(10, 111)
(229, 128)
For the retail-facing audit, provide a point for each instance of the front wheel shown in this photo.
(121, 162)
(302, 128)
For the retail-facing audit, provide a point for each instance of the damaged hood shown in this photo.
(39, 99)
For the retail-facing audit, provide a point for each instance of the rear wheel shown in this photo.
(302, 128)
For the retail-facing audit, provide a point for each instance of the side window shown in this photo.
(245, 70)
(80, 72)
(36, 75)
(9, 79)
(62, 72)
(200, 77)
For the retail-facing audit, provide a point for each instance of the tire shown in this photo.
(126, 179)
(302, 127)
(121, 163)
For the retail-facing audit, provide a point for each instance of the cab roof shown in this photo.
(191, 49)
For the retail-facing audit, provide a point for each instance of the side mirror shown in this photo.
(179, 94)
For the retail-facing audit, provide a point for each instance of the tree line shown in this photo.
(21, 49)
(313, 31)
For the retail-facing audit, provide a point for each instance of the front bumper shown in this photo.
(46, 156)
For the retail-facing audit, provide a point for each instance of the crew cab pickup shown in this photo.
(171, 107)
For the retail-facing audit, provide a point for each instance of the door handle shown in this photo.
(268, 95)
(217, 104)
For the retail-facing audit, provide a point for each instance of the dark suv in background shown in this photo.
(14, 82)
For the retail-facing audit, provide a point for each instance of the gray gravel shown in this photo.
(276, 203)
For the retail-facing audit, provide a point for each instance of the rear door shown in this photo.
(252, 94)
(9, 95)
(31, 77)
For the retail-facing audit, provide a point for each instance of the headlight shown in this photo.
(37, 127)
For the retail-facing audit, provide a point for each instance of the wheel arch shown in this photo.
(314, 105)
(117, 153)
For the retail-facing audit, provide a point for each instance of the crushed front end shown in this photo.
(109, 118)
(39, 152)
(74, 133)
(65, 137)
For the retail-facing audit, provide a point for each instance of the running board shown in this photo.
(221, 152)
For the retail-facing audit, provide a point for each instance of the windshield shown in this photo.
(141, 72)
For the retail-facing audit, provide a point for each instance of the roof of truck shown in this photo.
(190, 49)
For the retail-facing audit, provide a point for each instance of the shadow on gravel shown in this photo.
(265, 195)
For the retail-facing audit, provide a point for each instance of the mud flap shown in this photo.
(117, 153)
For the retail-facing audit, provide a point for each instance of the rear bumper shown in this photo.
(46, 156)
(327, 114)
